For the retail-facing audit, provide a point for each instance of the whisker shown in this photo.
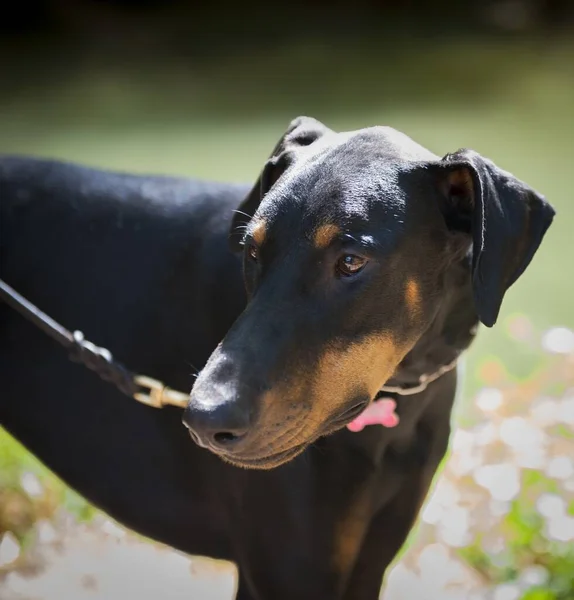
(195, 372)
(240, 212)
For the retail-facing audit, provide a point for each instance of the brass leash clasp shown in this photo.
(158, 394)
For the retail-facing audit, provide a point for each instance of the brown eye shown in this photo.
(350, 264)
(253, 252)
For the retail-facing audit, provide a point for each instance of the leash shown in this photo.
(146, 390)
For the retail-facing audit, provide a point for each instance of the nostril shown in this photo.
(223, 438)
(219, 427)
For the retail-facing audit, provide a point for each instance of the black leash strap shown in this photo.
(100, 360)
(140, 387)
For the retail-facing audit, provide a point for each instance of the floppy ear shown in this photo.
(302, 131)
(505, 217)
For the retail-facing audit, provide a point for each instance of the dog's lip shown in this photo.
(284, 456)
(265, 461)
(348, 415)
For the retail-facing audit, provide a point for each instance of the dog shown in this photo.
(323, 311)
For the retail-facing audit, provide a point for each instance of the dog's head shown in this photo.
(346, 239)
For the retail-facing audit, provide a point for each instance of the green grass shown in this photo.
(511, 101)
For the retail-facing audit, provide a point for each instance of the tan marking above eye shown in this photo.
(325, 234)
(259, 232)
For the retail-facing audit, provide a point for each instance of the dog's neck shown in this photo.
(450, 333)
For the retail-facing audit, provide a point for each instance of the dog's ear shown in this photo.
(302, 131)
(505, 218)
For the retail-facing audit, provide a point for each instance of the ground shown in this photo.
(102, 561)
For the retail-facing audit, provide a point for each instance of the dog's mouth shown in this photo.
(347, 416)
(270, 461)
(265, 462)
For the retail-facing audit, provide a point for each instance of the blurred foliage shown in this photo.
(31, 494)
(501, 516)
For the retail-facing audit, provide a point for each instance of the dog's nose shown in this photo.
(218, 427)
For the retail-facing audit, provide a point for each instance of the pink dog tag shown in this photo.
(380, 412)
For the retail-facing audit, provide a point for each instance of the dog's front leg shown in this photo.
(291, 535)
(390, 527)
(387, 534)
(297, 581)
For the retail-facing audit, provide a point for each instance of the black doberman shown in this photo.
(361, 264)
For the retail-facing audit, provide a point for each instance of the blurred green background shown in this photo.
(206, 91)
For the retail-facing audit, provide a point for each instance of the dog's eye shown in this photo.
(253, 252)
(350, 264)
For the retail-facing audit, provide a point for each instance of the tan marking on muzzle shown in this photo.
(325, 234)
(259, 232)
(361, 367)
(412, 298)
(350, 533)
